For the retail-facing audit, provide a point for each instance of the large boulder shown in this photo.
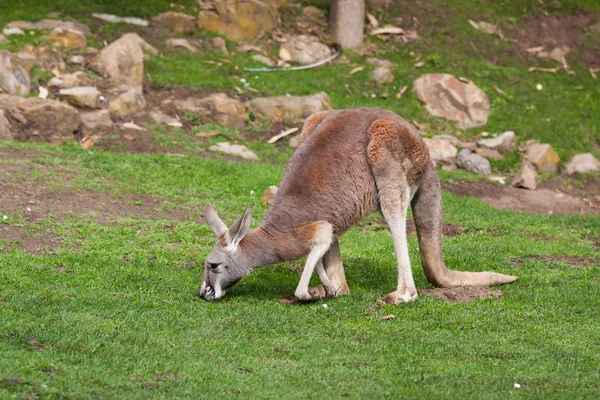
(217, 108)
(305, 49)
(14, 78)
(237, 19)
(40, 120)
(123, 60)
(293, 108)
(447, 97)
(582, 164)
(441, 151)
(176, 22)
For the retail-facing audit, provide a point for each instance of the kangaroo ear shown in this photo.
(213, 220)
(240, 228)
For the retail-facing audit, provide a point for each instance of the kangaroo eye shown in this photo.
(214, 266)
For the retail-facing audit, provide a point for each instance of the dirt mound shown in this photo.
(461, 294)
(545, 200)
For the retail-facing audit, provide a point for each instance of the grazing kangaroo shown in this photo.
(349, 164)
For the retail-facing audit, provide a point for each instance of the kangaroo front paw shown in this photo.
(399, 296)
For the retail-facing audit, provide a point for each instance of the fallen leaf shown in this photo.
(401, 92)
(131, 125)
(282, 135)
(355, 70)
(535, 49)
(392, 30)
(252, 89)
(593, 73)
(128, 137)
(419, 64)
(552, 70)
(474, 24)
(390, 316)
(175, 124)
(207, 134)
(500, 91)
(373, 21)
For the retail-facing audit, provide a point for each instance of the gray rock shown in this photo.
(217, 108)
(293, 108)
(97, 119)
(82, 96)
(441, 151)
(382, 75)
(14, 78)
(447, 97)
(473, 163)
(582, 164)
(504, 143)
(234, 149)
(526, 177)
(77, 60)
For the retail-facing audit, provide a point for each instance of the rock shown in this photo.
(67, 80)
(217, 108)
(263, 59)
(61, 37)
(292, 108)
(441, 151)
(128, 103)
(524, 146)
(305, 49)
(4, 40)
(115, 19)
(582, 164)
(50, 24)
(180, 42)
(35, 56)
(488, 153)
(163, 119)
(77, 60)
(457, 142)
(557, 53)
(81, 96)
(5, 127)
(294, 141)
(176, 22)
(237, 19)
(123, 60)
(40, 120)
(97, 119)
(313, 15)
(12, 31)
(504, 143)
(382, 75)
(269, 196)
(219, 44)
(234, 149)
(526, 177)
(543, 157)
(447, 97)
(473, 163)
(379, 62)
(14, 78)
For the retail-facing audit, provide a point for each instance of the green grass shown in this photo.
(113, 312)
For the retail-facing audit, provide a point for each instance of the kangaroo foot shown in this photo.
(314, 293)
(399, 296)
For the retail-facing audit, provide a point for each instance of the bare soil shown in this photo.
(461, 294)
(572, 261)
(448, 230)
(552, 197)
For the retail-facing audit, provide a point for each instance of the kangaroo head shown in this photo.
(225, 265)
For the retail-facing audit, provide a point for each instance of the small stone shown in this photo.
(165, 119)
(61, 37)
(382, 75)
(234, 149)
(269, 195)
(543, 157)
(77, 60)
(219, 44)
(473, 162)
(128, 103)
(4, 40)
(490, 154)
(263, 59)
(441, 151)
(97, 119)
(180, 42)
(504, 143)
(526, 177)
(12, 31)
(582, 164)
(379, 62)
(176, 22)
(81, 96)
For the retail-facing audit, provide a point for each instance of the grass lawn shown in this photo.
(98, 292)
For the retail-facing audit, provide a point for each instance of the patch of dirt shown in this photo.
(547, 199)
(39, 242)
(461, 294)
(572, 261)
(550, 31)
(448, 230)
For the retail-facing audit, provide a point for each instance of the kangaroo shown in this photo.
(349, 164)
